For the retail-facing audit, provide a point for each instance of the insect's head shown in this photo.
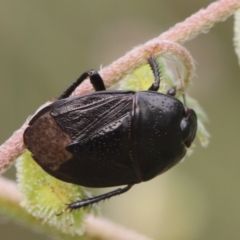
(189, 122)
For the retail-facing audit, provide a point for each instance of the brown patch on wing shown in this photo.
(47, 142)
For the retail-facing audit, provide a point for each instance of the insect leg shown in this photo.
(71, 89)
(156, 72)
(172, 91)
(89, 201)
(95, 79)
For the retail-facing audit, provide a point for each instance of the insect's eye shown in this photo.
(186, 112)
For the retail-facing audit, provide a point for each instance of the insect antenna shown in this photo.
(182, 89)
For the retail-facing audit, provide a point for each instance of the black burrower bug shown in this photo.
(111, 138)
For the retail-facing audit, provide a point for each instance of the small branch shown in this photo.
(137, 57)
(9, 191)
(201, 22)
(12, 149)
(103, 229)
(14, 146)
(198, 23)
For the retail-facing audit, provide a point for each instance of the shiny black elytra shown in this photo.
(110, 138)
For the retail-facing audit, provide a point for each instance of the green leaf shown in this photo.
(46, 197)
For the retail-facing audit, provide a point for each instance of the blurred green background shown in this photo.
(45, 45)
